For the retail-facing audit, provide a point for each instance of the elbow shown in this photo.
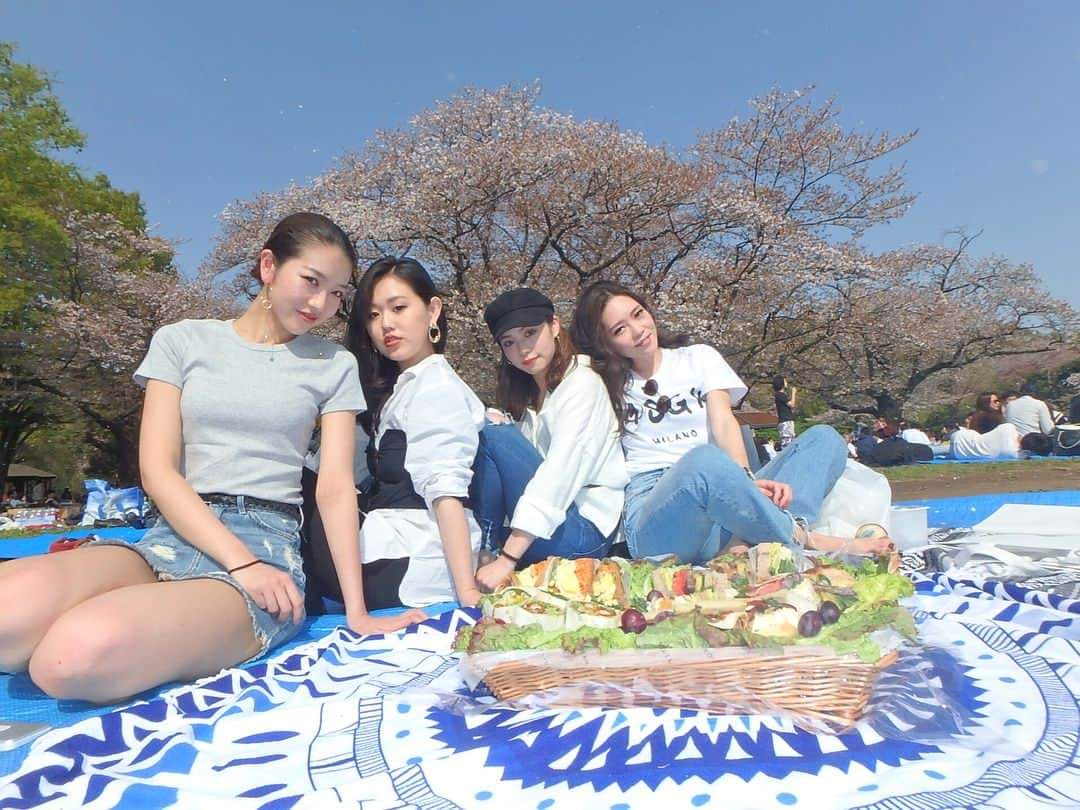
(154, 480)
(331, 489)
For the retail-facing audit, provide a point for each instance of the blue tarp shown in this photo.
(975, 508)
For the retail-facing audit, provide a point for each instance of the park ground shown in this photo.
(916, 482)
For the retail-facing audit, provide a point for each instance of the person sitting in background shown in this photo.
(1028, 414)
(852, 451)
(914, 435)
(990, 402)
(1037, 444)
(998, 441)
(883, 428)
(984, 421)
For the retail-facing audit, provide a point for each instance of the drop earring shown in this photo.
(267, 305)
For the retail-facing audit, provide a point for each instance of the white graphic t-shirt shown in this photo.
(665, 414)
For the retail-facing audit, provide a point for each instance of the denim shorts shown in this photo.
(271, 536)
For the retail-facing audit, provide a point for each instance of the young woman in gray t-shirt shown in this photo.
(228, 415)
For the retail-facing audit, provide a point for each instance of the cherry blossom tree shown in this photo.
(94, 341)
(751, 240)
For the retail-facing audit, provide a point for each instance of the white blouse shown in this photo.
(578, 437)
(441, 418)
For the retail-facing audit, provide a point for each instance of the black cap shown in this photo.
(520, 307)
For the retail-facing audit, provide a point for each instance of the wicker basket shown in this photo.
(823, 687)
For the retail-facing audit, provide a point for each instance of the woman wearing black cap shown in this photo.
(558, 471)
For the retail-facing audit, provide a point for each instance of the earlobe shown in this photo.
(267, 268)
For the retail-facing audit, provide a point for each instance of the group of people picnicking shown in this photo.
(256, 436)
(1011, 425)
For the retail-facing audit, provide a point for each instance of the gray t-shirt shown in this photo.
(249, 409)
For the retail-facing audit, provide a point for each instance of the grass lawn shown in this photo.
(920, 481)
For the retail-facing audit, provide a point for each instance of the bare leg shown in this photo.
(125, 641)
(35, 591)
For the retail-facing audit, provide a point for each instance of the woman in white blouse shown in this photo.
(418, 541)
(558, 471)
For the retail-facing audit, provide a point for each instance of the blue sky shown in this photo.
(198, 103)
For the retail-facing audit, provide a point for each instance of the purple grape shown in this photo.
(810, 623)
(829, 612)
(654, 594)
(633, 621)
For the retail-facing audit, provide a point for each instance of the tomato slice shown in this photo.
(678, 582)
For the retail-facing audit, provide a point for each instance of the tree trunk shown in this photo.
(887, 406)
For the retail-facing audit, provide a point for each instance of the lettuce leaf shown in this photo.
(677, 631)
(851, 632)
(872, 590)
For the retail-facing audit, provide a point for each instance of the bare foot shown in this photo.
(849, 545)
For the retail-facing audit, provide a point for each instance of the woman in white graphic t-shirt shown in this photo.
(691, 490)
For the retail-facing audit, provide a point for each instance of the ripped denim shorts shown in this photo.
(271, 536)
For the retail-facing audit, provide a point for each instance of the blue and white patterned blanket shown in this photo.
(987, 715)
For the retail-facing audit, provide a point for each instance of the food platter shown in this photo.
(771, 629)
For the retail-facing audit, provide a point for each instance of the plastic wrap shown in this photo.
(905, 696)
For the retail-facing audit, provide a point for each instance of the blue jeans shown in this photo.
(694, 507)
(505, 463)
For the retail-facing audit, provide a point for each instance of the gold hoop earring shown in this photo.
(434, 333)
(266, 302)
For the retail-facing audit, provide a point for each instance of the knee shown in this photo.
(24, 612)
(710, 462)
(825, 437)
(74, 655)
(707, 456)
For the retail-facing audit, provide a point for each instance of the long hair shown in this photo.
(592, 339)
(378, 374)
(985, 421)
(516, 390)
(982, 402)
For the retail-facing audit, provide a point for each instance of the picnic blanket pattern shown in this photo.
(986, 714)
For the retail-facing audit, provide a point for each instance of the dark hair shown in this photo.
(592, 339)
(378, 373)
(517, 390)
(985, 421)
(298, 231)
(1012, 393)
(1038, 444)
(982, 402)
(778, 383)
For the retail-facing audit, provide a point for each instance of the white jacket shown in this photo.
(578, 438)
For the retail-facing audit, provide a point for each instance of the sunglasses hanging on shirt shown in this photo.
(663, 404)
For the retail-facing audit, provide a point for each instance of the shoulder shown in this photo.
(581, 378)
(191, 332)
(436, 372)
(318, 347)
(703, 351)
(193, 328)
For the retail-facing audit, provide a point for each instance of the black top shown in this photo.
(393, 487)
(783, 409)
